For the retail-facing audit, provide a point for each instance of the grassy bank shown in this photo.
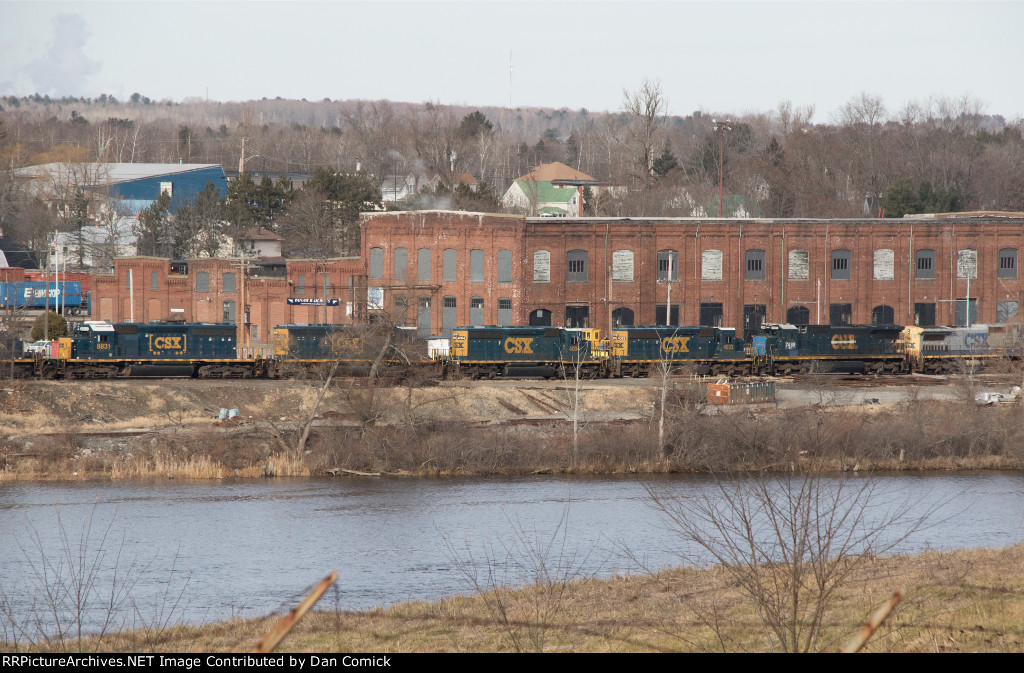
(448, 431)
(964, 601)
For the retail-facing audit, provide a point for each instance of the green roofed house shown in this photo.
(549, 190)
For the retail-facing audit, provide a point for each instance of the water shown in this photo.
(254, 547)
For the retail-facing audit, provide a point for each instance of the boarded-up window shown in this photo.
(504, 311)
(799, 265)
(1008, 263)
(576, 268)
(504, 266)
(668, 266)
(423, 265)
(622, 266)
(401, 264)
(476, 311)
(301, 287)
(542, 266)
(756, 265)
(202, 281)
(449, 261)
(1006, 310)
(154, 281)
(476, 266)
(376, 269)
(924, 315)
(711, 265)
(841, 262)
(229, 282)
(885, 264)
(967, 264)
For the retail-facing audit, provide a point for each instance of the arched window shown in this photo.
(622, 316)
(476, 266)
(882, 315)
(798, 315)
(449, 259)
(504, 266)
(540, 318)
(401, 264)
(423, 265)
(376, 263)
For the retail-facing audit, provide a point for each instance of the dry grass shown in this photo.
(965, 601)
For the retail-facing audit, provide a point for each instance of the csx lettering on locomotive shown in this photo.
(676, 344)
(168, 343)
(518, 345)
(844, 342)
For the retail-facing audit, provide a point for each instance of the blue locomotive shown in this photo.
(490, 352)
(640, 350)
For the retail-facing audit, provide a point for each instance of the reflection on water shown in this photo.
(252, 547)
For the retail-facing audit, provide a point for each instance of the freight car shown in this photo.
(639, 350)
(490, 352)
(37, 295)
(790, 349)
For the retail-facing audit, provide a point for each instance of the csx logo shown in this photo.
(169, 343)
(844, 342)
(676, 344)
(518, 345)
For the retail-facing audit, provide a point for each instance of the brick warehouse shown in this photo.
(440, 269)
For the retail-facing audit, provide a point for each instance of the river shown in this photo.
(215, 549)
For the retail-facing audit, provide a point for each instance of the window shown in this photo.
(376, 269)
(153, 285)
(504, 266)
(753, 317)
(449, 302)
(301, 287)
(423, 265)
(799, 265)
(885, 264)
(576, 268)
(883, 315)
(710, 314)
(448, 316)
(229, 282)
(622, 266)
(476, 311)
(924, 315)
(255, 331)
(967, 264)
(540, 318)
(840, 314)
(1008, 263)
(711, 265)
(504, 311)
(476, 266)
(401, 264)
(798, 315)
(668, 265)
(449, 265)
(840, 265)
(925, 264)
(1005, 310)
(542, 267)
(202, 281)
(622, 316)
(963, 305)
(577, 316)
(659, 315)
(755, 265)
(229, 311)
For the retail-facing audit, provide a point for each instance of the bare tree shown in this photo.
(646, 106)
(790, 541)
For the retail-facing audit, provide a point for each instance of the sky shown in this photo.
(731, 57)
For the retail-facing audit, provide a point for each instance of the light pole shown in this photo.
(721, 128)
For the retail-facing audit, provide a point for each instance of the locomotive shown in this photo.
(99, 349)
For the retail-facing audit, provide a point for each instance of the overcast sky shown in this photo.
(712, 56)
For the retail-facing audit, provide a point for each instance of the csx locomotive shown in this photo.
(204, 350)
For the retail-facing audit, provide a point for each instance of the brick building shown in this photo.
(143, 289)
(440, 269)
(471, 268)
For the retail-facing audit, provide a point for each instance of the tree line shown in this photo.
(943, 154)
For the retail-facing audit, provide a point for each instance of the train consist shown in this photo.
(99, 349)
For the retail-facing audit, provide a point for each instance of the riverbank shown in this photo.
(170, 429)
(962, 601)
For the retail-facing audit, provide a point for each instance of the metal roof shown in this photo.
(116, 172)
